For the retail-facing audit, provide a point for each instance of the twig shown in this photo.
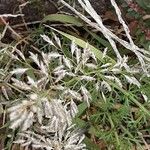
(18, 37)
(147, 147)
(27, 23)
(146, 17)
(20, 9)
(11, 15)
(4, 31)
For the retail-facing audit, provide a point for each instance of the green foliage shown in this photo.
(119, 118)
(64, 19)
(145, 4)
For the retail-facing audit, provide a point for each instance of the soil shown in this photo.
(33, 11)
(101, 6)
(37, 9)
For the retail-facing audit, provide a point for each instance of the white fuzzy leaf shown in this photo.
(78, 54)
(16, 123)
(106, 85)
(90, 65)
(74, 94)
(19, 71)
(58, 68)
(19, 141)
(20, 54)
(73, 108)
(132, 80)
(57, 39)
(145, 97)
(28, 121)
(103, 95)
(117, 80)
(61, 76)
(87, 78)
(73, 47)
(34, 57)
(86, 95)
(67, 62)
(45, 58)
(4, 91)
(70, 74)
(106, 65)
(20, 84)
(53, 55)
(31, 81)
(104, 53)
(47, 39)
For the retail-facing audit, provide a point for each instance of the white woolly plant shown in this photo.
(57, 133)
(45, 115)
(35, 108)
(67, 138)
(52, 85)
(57, 82)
